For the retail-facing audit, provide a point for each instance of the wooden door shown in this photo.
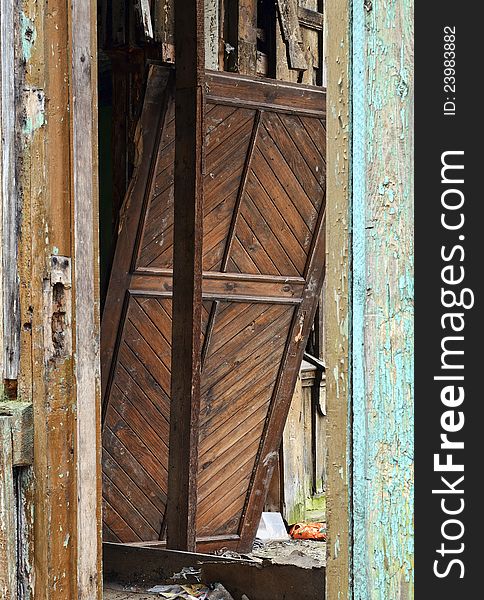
(263, 261)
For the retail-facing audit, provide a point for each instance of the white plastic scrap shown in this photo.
(182, 592)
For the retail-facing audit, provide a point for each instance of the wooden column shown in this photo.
(187, 276)
(336, 303)
(85, 251)
(57, 181)
(383, 300)
(247, 37)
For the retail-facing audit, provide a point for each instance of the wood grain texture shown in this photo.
(383, 301)
(288, 14)
(187, 275)
(54, 48)
(246, 46)
(8, 535)
(263, 247)
(336, 302)
(9, 210)
(83, 114)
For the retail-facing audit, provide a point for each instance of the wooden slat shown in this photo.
(247, 37)
(239, 478)
(118, 501)
(299, 331)
(214, 417)
(294, 149)
(219, 288)
(284, 232)
(281, 199)
(187, 275)
(150, 126)
(236, 90)
(83, 142)
(150, 487)
(134, 494)
(117, 524)
(275, 160)
(145, 353)
(138, 449)
(141, 375)
(9, 205)
(288, 13)
(310, 18)
(241, 192)
(157, 416)
(141, 426)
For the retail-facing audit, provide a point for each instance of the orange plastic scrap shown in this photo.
(308, 531)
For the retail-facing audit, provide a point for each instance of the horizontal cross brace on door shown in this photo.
(228, 286)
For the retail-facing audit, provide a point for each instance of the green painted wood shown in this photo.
(382, 314)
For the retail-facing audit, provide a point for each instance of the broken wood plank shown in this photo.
(128, 564)
(312, 19)
(288, 12)
(8, 551)
(187, 275)
(267, 581)
(212, 16)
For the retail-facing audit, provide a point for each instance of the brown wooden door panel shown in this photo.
(263, 254)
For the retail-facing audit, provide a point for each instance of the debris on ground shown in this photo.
(219, 593)
(191, 592)
(308, 531)
(181, 592)
(302, 553)
(272, 527)
(188, 575)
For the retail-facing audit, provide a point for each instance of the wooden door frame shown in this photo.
(337, 300)
(86, 560)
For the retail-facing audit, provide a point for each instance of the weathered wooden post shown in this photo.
(187, 275)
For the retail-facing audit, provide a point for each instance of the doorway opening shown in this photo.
(264, 225)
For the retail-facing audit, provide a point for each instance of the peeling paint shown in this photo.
(28, 35)
(383, 300)
(34, 111)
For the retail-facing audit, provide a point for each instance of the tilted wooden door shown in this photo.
(263, 261)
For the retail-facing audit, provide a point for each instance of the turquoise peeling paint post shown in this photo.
(382, 311)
